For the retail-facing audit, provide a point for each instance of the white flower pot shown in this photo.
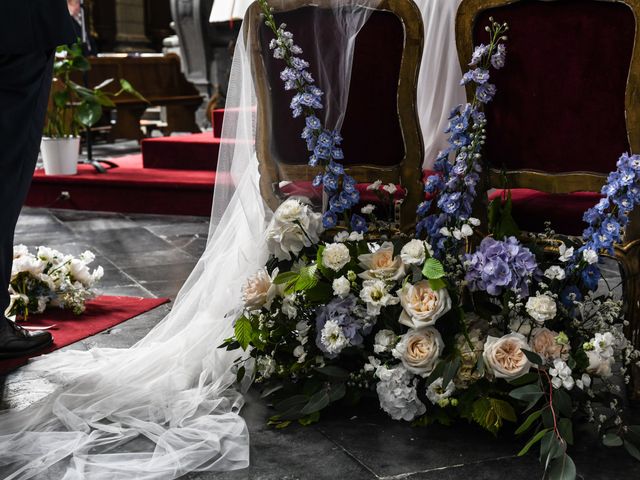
(60, 155)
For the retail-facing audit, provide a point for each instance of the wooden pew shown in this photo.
(159, 79)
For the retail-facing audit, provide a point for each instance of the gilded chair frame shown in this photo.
(628, 253)
(408, 172)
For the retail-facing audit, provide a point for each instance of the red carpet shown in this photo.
(102, 314)
(127, 189)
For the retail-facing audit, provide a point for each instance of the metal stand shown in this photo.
(95, 163)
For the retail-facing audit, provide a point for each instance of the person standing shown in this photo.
(29, 35)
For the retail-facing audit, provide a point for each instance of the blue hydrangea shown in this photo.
(340, 311)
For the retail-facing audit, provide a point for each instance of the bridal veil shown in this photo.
(174, 391)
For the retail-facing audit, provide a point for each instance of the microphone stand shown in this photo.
(85, 77)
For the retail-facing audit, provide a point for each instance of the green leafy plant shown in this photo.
(74, 107)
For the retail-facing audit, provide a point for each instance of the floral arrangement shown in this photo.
(50, 278)
(514, 329)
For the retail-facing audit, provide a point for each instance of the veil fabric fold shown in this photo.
(174, 391)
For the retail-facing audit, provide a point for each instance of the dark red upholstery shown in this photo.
(371, 128)
(532, 208)
(561, 97)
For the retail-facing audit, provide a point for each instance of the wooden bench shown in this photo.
(159, 79)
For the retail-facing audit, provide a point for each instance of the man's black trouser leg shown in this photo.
(25, 81)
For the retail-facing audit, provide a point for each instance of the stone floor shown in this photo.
(152, 256)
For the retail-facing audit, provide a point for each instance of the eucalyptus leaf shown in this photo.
(565, 427)
(317, 402)
(533, 357)
(632, 450)
(333, 371)
(612, 440)
(526, 425)
(535, 439)
(562, 468)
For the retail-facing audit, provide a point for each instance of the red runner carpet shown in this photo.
(101, 314)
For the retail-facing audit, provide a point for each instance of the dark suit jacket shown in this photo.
(34, 25)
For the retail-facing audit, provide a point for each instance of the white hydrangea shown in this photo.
(397, 394)
(561, 375)
(335, 256)
(375, 295)
(555, 273)
(341, 287)
(385, 341)
(436, 393)
(332, 338)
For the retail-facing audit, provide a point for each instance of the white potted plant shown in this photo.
(72, 108)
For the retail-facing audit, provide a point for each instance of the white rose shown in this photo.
(598, 365)
(293, 226)
(341, 287)
(375, 295)
(419, 350)
(381, 264)
(541, 308)
(384, 341)
(259, 290)
(368, 209)
(27, 264)
(554, 273)
(422, 305)
(504, 357)
(335, 256)
(590, 256)
(414, 252)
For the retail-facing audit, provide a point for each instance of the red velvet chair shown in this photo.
(381, 131)
(567, 106)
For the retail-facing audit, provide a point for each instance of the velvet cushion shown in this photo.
(560, 104)
(532, 208)
(371, 127)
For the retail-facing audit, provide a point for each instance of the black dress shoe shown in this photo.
(15, 341)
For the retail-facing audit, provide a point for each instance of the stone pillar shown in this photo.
(130, 27)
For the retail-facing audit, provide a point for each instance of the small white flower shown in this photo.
(466, 230)
(375, 295)
(332, 338)
(375, 185)
(561, 375)
(590, 256)
(390, 188)
(368, 209)
(474, 221)
(445, 232)
(384, 341)
(335, 256)
(555, 273)
(341, 287)
(372, 365)
(414, 252)
(541, 308)
(300, 353)
(603, 344)
(565, 253)
(436, 393)
(289, 306)
(356, 237)
(583, 382)
(266, 366)
(341, 237)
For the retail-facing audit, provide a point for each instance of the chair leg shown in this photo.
(629, 258)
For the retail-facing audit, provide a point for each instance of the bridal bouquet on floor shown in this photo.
(50, 279)
(507, 329)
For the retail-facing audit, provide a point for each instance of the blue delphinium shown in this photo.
(497, 266)
(323, 144)
(455, 183)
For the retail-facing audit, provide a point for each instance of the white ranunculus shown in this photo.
(414, 252)
(590, 256)
(419, 350)
(504, 357)
(541, 308)
(384, 341)
(381, 264)
(555, 273)
(375, 295)
(294, 226)
(436, 393)
(422, 306)
(259, 290)
(368, 209)
(599, 365)
(341, 287)
(335, 256)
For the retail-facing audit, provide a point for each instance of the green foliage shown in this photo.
(243, 332)
(433, 269)
(501, 221)
(528, 393)
(535, 439)
(528, 423)
(562, 468)
(490, 413)
(612, 440)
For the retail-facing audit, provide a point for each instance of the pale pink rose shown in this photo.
(419, 350)
(259, 290)
(504, 356)
(422, 305)
(382, 265)
(543, 342)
